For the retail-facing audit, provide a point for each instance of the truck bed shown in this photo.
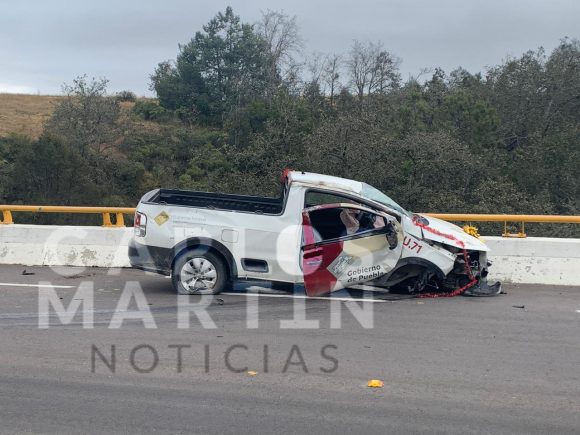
(219, 201)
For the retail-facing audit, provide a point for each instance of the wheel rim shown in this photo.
(198, 274)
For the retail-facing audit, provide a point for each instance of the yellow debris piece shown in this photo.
(375, 383)
(252, 373)
(471, 230)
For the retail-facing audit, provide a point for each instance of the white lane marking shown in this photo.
(578, 311)
(11, 284)
(53, 314)
(267, 295)
(55, 325)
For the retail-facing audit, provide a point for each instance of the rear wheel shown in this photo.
(199, 272)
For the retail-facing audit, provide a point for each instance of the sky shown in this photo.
(45, 43)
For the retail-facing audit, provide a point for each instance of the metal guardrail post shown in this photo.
(107, 220)
(6, 217)
(120, 220)
(520, 235)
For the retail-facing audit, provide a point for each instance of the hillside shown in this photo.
(25, 114)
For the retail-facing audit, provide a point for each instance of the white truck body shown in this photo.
(268, 241)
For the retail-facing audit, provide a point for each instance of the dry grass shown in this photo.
(27, 114)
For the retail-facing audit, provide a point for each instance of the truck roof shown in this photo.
(312, 179)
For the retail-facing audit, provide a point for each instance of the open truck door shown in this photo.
(347, 244)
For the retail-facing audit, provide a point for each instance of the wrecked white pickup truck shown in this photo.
(324, 232)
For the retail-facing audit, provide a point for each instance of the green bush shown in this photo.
(126, 96)
(150, 111)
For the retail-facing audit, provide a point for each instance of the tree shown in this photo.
(562, 71)
(519, 94)
(222, 69)
(372, 69)
(360, 67)
(349, 145)
(86, 118)
(332, 73)
(282, 37)
(56, 173)
(386, 74)
(173, 91)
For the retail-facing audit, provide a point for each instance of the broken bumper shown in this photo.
(483, 289)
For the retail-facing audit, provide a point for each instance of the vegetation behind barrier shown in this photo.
(239, 103)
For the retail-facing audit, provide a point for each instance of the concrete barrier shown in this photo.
(47, 245)
(535, 260)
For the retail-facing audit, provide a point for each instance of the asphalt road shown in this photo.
(459, 365)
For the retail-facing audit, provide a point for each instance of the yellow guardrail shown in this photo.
(522, 219)
(106, 212)
(118, 212)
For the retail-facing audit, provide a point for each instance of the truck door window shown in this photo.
(331, 223)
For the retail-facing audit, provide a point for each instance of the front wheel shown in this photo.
(199, 272)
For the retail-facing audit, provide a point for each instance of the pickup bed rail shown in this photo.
(219, 201)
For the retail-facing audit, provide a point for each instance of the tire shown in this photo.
(199, 272)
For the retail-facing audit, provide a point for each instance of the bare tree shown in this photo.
(316, 65)
(280, 31)
(332, 74)
(360, 67)
(371, 69)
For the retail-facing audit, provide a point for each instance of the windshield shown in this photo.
(371, 193)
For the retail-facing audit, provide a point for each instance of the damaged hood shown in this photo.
(444, 227)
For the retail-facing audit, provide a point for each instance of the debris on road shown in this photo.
(25, 272)
(81, 275)
(375, 383)
(521, 307)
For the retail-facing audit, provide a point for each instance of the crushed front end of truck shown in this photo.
(469, 274)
